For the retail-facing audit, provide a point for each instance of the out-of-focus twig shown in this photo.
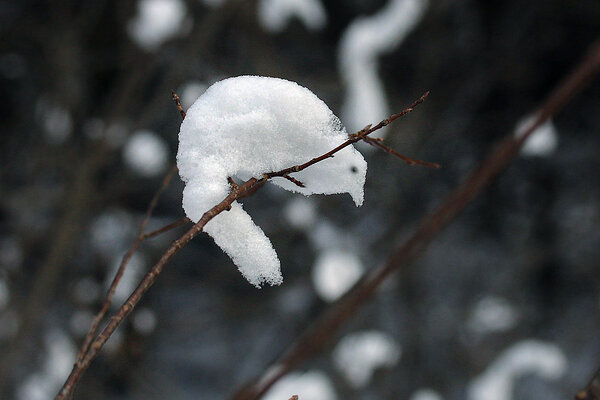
(325, 327)
(592, 390)
(166, 228)
(140, 237)
(237, 192)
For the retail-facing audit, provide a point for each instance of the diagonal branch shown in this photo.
(315, 338)
(592, 390)
(140, 237)
(410, 161)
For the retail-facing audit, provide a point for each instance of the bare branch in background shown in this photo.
(315, 338)
(592, 390)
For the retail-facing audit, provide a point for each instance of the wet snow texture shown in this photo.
(247, 126)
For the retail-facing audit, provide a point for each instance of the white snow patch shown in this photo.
(300, 213)
(157, 21)
(426, 394)
(275, 15)
(144, 321)
(526, 357)
(60, 355)
(360, 47)
(190, 92)
(334, 272)
(311, 385)
(4, 294)
(247, 126)
(542, 142)
(492, 314)
(55, 119)
(146, 154)
(359, 354)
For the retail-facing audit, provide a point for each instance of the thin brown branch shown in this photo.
(165, 228)
(140, 237)
(121, 270)
(411, 161)
(241, 191)
(322, 331)
(294, 181)
(592, 390)
(177, 101)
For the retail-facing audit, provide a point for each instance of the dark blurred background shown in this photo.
(504, 305)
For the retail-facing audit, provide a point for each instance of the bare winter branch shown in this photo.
(411, 161)
(241, 191)
(316, 337)
(592, 390)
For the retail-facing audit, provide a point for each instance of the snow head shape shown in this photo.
(244, 127)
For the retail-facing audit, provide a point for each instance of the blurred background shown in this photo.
(504, 305)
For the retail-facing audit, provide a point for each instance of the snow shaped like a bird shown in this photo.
(250, 125)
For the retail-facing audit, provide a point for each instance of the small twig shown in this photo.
(327, 325)
(121, 270)
(592, 390)
(177, 101)
(165, 228)
(242, 191)
(353, 138)
(294, 397)
(140, 237)
(294, 181)
(411, 161)
(232, 183)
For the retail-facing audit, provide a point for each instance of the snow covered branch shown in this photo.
(90, 349)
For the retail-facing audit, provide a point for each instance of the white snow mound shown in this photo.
(247, 126)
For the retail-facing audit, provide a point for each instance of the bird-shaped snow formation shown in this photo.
(244, 127)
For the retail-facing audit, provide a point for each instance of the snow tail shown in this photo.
(247, 245)
(233, 231)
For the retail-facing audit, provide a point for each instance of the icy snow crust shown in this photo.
(244, 127)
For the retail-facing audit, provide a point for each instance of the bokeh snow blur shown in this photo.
(502, 305)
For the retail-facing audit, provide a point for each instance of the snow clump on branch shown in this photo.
(247, 126)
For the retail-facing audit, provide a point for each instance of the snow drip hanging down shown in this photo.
(362, 43)
(244, 127)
